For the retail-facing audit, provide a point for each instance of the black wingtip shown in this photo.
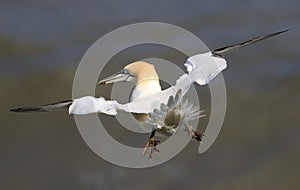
(45, 108)
(282, 31)
(29, 109)
(220, 52)
(14, 110)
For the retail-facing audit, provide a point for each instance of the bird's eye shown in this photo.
(125, 71)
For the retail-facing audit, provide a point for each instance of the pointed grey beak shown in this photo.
(121, 76)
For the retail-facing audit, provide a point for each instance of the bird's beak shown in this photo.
(118, 77)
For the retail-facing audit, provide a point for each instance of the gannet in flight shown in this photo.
(167, 108)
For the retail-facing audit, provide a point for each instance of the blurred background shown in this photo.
(42, 42)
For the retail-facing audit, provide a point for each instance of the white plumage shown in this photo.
(164, 109)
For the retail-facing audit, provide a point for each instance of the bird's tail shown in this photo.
(224, 50)
(45, 108)
(176, 106)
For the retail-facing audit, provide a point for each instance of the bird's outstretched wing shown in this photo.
(202, 68)
(88, 105)
(45, 108)
(224, 50)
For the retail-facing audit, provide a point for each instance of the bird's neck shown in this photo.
(145, 88)
(147, 74)
(147, 81)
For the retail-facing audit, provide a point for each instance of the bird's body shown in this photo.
(147, 85)
(145, 89)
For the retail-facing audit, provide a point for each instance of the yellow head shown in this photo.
(140, 70)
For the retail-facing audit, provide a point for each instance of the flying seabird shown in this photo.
(164, 109)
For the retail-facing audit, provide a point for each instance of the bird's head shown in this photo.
(139, 70)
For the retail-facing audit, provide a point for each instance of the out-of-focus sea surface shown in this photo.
(42, 42)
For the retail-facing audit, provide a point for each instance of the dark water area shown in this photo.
(37, 35)
(42, 43)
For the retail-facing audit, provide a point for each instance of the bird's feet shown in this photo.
(151, 148)
(197, 135)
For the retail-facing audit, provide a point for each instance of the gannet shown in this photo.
(165, 109)
(165, 118)
(201, 68)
